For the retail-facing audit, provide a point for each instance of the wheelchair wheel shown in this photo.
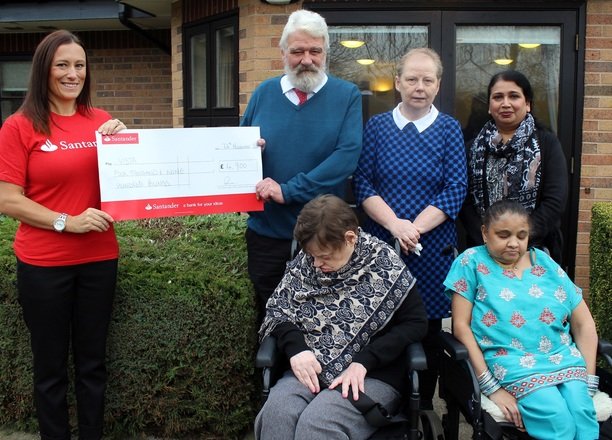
(430, 425)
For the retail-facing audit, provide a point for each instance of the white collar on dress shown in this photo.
(421, 124)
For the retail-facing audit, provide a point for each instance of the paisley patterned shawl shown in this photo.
(505, 171)
(339, 312)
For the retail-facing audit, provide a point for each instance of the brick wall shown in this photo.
(596, 167)
(133, 85)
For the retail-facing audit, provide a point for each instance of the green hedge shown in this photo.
(182, 339)
(601, 268)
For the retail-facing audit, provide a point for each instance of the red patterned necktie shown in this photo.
(302, 96)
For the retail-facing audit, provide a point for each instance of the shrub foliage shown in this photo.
(601, 268)
(182, 337)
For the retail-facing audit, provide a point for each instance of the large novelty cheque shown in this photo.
(179, 171)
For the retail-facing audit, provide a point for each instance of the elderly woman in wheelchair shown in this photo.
(529, 334)
(343, 314)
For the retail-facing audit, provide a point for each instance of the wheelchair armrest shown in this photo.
(453, 347)
(267, 354)
(415, 357)
(604, 349)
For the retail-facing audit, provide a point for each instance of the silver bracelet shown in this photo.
(488, 383)
(592, 384)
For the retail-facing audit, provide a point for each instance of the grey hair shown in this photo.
(424, 51)
(306, 21)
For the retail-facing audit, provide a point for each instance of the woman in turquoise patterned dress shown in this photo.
(529, 333)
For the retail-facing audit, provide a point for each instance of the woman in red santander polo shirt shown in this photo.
(65, 246)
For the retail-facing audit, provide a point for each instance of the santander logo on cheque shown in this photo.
(120, 138)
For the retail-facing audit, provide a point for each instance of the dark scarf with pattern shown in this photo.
(505, 171)
(339, 312)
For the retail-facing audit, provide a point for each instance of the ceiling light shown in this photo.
(529, 45)
(352, 44)
(503, 61)
(366, 61)
(382, 84)
(278, 2)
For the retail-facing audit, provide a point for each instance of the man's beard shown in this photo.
(305, 78)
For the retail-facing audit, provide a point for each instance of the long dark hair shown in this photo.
(36, 103)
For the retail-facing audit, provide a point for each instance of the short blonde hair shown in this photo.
(423, 51)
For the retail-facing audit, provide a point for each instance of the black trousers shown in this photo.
(64, 305)
(428, 378)
(267, 259)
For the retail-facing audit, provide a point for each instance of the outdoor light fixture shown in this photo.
(366, 61)
(352, 44)
(529, 45)
(278, 2)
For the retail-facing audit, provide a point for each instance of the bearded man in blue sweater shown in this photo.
(311, 123)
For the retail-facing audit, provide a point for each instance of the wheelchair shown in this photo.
(458, 387)
(410, 423)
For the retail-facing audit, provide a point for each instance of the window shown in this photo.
(368, 56)
(481, 51)
(14, 77)
(211, 73)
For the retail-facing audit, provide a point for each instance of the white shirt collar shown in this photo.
(421, 124)
(287, 88)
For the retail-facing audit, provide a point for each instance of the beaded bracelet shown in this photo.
(487, 383)
(592, 384)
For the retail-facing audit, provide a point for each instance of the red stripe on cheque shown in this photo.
(180, 206)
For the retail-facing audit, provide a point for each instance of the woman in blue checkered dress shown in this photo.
(411, 182)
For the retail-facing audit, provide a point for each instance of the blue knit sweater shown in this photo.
(310, 149)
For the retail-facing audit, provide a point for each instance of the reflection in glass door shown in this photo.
(368, 55)
(482, 51)
(535, 38)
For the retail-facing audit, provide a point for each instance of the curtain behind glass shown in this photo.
(225, 41)
(199, 98)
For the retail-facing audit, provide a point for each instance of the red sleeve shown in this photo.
(15, 143)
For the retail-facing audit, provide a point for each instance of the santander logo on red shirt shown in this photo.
(48, 146)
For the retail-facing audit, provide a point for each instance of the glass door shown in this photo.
(365, 48)
(482, 51)
(473, 46)
(368, 56)
(540, 44)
